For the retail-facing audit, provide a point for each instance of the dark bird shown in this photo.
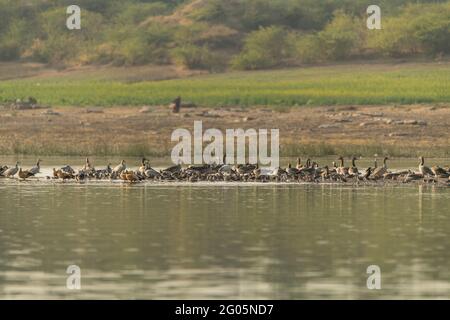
(176, 105)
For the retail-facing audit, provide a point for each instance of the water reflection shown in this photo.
(224, 241)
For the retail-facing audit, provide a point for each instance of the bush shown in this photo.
(194, 57)
(341, 38)
(418, 29)
(307, 48)
(265, 48)
(128, 46)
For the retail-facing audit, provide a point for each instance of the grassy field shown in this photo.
(357, 84)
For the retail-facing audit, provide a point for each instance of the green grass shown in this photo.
(333, 85)
(287, 150)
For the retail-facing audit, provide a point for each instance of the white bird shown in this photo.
(121, 167)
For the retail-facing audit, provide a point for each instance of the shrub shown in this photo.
(265, 48)
(307, 48)
(341, 38)
(193, 57)
(418, 29)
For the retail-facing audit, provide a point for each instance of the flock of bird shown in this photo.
(310, 171)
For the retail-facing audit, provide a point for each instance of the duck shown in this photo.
(131, 176)
(424, 170)
(3, 169)
(87, 165)
(225, 167)
(342, 170)
(325, 174)
(334, 169)
(257, 171)
(367, 173)
(25, 174)
(11, 172)
(37, 168)
(143, 166)
(299, 164)
(119, 168)
(103, 173)
(308, 168)
(68, 169)
(291, 171)
(379, 172)
(278, 173)
(439, 172)
(63, 175)
(80, 176)
(353, 170)
(173, 169)
(151, 173)
(412, 176)
(247, 168)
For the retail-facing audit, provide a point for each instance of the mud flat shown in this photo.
(397, 131)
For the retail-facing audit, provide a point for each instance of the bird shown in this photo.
(353, 170)
(299, 163)
(11, 172)
(342, 170)
(143, 166)
(439, 172)
(131, 176)
(412, 176)
(25, 174)
(63, 175)
(326, 173)
(379, 172)
(3, 169)
(67, 169)
(119, 168)
(367, 173)
(87, 165)
(424, 170)
(291, 171)
(37, 168)
(257, 171)
(151, 173)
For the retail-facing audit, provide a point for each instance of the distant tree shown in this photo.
(265, 48)
(342, 37)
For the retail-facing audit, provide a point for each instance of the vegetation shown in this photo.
(332, 85)
(216, 34)
(314, 149)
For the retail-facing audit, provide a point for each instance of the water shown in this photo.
(229, 241)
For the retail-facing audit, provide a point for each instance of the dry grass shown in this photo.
(313, 131)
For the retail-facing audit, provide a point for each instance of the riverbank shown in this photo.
(396, 131)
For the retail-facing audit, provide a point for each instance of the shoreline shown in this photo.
(396, 131)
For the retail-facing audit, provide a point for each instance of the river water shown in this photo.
(223, 240)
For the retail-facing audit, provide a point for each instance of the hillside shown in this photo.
(218, 35)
